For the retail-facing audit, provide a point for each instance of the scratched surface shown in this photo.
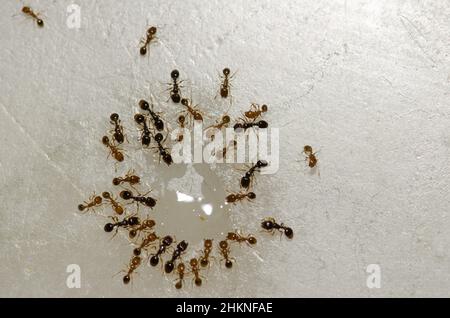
(365, 82)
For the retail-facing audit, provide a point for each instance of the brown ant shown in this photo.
(94, 200)
(225, 251)
(181, 121)
(145, 225)
(223, 122)
(145, 136)
(134, 264)
(175, 89)
(180, 272)
(125, 223)
(247, 178)
(115, 205)
(204, 259)
(149, 37)
(28, 11)
(192, 111)
(236, 197)
(310, 156)
(149, 239)
(128, 195)
(195, 269)
(270, 225)
(118, 128)
(225, 85)
(236, 237)
(128, 178)
(157, 121)
(113, 149)
(255, 111)
(165, 243)
(170, 265)
(163, 152)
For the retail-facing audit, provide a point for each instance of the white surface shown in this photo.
(366, 82)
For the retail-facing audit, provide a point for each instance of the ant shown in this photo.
(236, 237)
(181, 121)
(163, 152)
(94, 200)
(223, 122)
(126, 222)
(118, 128)
(245, 124)
(165, 243)
(247, 178)
(236, 197)
(134, 264)
(175, 90)
(270, 225)
(28, 11)
(159, 124)
(310, 156)
(225, 85)
(256, 111)
(128, 195)
(225, 251)
(113, 149)
(204, 259)
(149, 36)
(145, 136)
(128, 178)
(180, 272)
(195, 269)
(145, 243)
(170, 265)
(146, 225)
(116, 205)
(192, 111)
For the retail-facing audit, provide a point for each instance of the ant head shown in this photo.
(193, 262)
(151, 30)
(251, 195)
(174, 74)
(125, 194)
(114, 117)
(40, 22)
(267, 224)
(98, 200)
(182, 246)
(106, 195)
(307, 149)
(226, 71)
(139, 118)
(223, 244)
(231, 236)
(228, 264)
(158, 137)
(167, 240)
(181, 119)
(261, 163)
(146, 140)
(126, 279)
(264, 108)
(204, 262)
(143, 50)
(251, 240)
(116, 181)
(226, 119)
(81, 207)
(263, 124)
(185, 101)
(105, 140)
(26, 9)
(208, 243)
(144, 104)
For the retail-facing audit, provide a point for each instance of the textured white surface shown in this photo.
(366, 82)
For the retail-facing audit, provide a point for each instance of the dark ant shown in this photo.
(128, 195)
(192, 110)
(247, 178)
(163, 152)
(270, 225)
(195, 269)
(113, 149)
(134, 264)
(93, 201)
(128, 178)
(181, 120)
(149, 36)
(145, 136)
(204, 259)
(175, 90)
(28, 11)
(145, 225)
(118, 129)
(115, 205)
(236, 237)
(126, 222)
(256, 111)
(170, 265)
(180, 272)
(152, 237)
(165, 243)
(310, 156)
(225, 251)
(157, 121)
(249, 124)
(225, 87)
(236, 197)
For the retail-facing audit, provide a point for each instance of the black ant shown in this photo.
(28, 11)
(204, 259)
(256, 111)
(94, 200)
(180, 271)
(113, 149)
(128, 178)
(149, 36)
(236, 237)
(195, 269)
(175, 90)
(170, 264)
(145, 136)
(128, 195)
(225, 251)
(192, 110)
(247, 178)
(236, 197)
(165, 243)
(134, 264)
(157, 121)
(310, 156)
(117, 207)
(145, 225)
(163, 152)
(245, 124)
(126, 222)
(118, 129)
(270, 225)
(149, 239)
(225, 85)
